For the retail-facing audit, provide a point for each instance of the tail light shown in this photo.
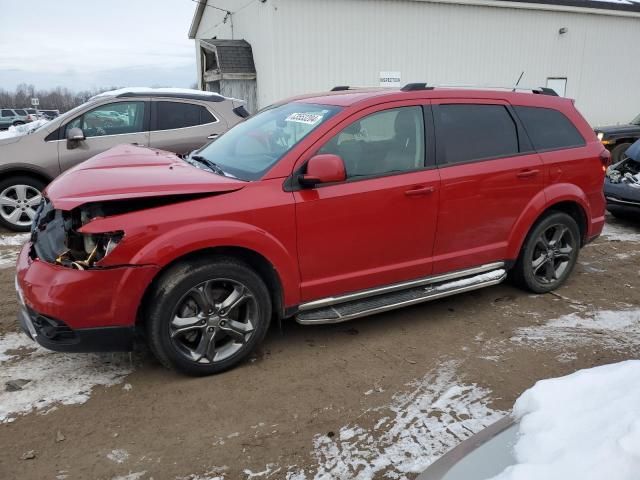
(605, 158)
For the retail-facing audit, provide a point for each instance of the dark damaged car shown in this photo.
(622, 185)
(617, 138)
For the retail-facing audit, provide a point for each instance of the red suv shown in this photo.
(323, 208)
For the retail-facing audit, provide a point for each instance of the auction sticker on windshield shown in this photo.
(306, 118)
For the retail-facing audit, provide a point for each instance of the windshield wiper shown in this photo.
(208, 163)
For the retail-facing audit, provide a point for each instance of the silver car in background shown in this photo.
(178, 120)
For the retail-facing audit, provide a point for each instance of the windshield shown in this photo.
(250, 148)
(636, 121)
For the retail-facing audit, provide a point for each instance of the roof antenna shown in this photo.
(518, 82)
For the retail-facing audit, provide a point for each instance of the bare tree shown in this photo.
(58, 98)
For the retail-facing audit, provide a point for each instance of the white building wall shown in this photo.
(311, 45)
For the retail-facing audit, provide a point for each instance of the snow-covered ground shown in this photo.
(585, 425)
(32, 378)
(611, 328)
(10, 247)
(18, 130)
(617, 232)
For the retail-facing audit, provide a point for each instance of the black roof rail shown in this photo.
(411, 87)
(340, 88)
(545, 91)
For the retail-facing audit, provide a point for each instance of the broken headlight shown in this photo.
(85, 249)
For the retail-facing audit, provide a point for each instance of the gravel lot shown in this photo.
(379, 397)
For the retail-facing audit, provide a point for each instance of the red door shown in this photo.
(489, 174)
(378, 227)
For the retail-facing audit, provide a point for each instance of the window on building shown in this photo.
(172, 115)
(473, 132)
(549, 129)
(383, 142)
(558, 85)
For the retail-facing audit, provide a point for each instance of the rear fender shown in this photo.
(544, 200)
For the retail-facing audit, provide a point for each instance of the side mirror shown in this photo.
(75, 134)
(323, 168)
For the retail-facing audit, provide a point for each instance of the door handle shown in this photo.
(414, 192)
(213, 135)
(527, 173)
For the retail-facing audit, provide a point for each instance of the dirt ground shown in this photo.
(379, 397)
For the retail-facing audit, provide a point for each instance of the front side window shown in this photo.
(6, 113)
(549, 129)
(384, 142)
(111, 119)
(172, 115)
(473, 132)
(250, 148)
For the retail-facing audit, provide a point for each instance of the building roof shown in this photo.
(233, 56)
(610, 5)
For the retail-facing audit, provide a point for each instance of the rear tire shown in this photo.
(18, 122)
(617, 153)
(206, 316)
(19, 199)
(549, 253)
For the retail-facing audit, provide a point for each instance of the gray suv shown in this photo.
(13, 117)
(178, 120)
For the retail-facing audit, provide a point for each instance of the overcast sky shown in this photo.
(81, 44)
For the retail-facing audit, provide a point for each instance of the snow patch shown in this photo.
(465, 282)
(585, 425)
(608, 328)
(130, 476)
(620, 233)
(118, 455)
(435, 415)
(14, 240)
(19, 130)
(52, 377)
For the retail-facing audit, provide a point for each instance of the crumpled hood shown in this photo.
(129, 171)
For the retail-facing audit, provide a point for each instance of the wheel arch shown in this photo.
(258, 262)
(566, 198)
(25, 172)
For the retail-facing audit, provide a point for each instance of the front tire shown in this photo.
(206, 316)
(19, 200)
(549, 253)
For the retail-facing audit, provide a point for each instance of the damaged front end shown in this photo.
(622, 185)
(56, 237)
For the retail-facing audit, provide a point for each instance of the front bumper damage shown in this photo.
(70, 310)
(622, 186)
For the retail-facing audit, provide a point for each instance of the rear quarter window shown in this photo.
(173, 115)
(472, 132)
(549, 129)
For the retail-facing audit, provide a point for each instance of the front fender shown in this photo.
(177, 242)
(545, 199)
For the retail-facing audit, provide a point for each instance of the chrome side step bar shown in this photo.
(349, 307)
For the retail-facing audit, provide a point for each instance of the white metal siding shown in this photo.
(311, 45)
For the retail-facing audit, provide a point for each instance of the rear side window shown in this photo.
(21, 112)
(172, 115)
(549, 129)
(474, 132)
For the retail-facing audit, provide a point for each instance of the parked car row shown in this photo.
(176, 120)
(322, 208)
(19, 116)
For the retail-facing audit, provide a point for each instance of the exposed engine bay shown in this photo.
(625, 172)
(56, 237)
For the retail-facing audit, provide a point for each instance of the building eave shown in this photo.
(197, 17)
(592, 7)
